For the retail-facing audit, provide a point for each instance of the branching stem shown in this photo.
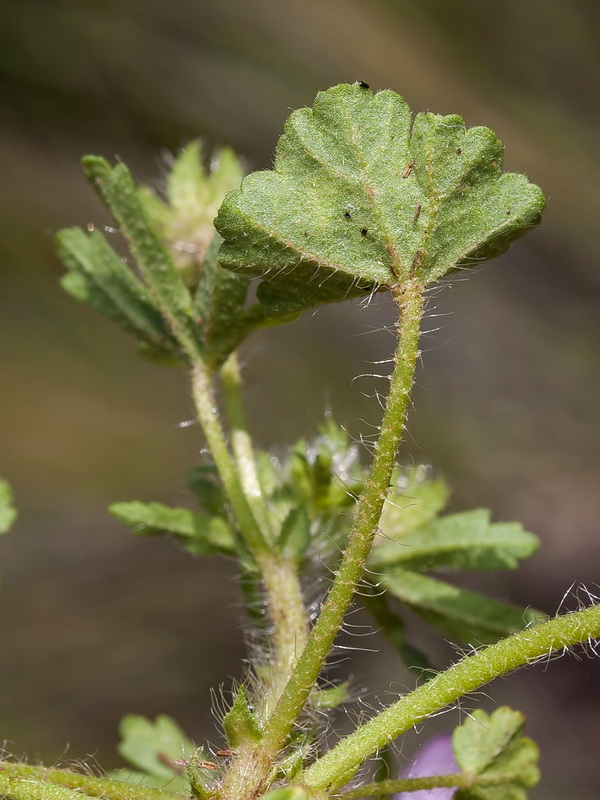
(410, 301)
(241, 442)
(206, 408)
(380, 788)
(337, 766)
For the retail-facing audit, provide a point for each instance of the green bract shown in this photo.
(362, 197)
(239, 723)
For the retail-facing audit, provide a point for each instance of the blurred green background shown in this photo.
(96, 624)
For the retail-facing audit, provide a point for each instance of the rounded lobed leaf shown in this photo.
(361, 197)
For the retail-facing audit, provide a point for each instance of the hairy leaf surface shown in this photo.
(467, 540)
(199, 534)
(491, 747)
(469, 617)
(362, 196)
(99, 277)
(156, 748)
(414, 500)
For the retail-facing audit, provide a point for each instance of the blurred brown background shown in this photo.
(96, 624)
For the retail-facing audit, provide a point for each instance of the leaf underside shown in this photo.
(362, 196)
(468, 617)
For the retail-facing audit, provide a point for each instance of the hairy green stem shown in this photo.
(410, 301)
(337, 766)
(286, 611)
(241, 443)
(206, 408)
(27, 782)
(280, 577)
(457, 779)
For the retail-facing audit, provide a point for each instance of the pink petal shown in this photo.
(434, 758)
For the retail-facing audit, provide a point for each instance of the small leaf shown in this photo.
(332, 697)
(468, 617)
(361, 197)
(165, 284)
(200, 535)
(491, 748)
(8, 513)
(203, 481)
(185, 223)
(414, 499)
(154, 747)
(463, 541)
(393, 628)
(99, 277)
(194, 195)
(222, 320)
(239, 723)
(294, 538)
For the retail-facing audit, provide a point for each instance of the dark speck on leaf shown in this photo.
(363, 232)
(363, 85)
(508, 213)
(348, 215)
(458, 152)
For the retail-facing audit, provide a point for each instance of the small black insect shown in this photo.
(347, 214)
(363, 232)
(363, 85)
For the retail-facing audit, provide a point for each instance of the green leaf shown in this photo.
(491, 750)
(100, 278)
(199, 534)
(204, 483)
(185, 223)
(8, 513)
(332, 697)
(468, 617)
(222, 321)
(393, 628)
(361, 197)
(194, 195)
(463, 541)
(294, 538)
(325, 473)
(165, 283)
(239, 723)
(414, 499)
(155, 748)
